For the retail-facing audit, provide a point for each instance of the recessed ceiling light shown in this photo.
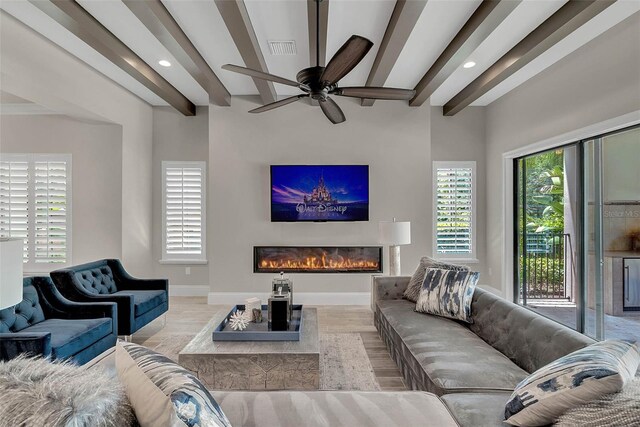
(469, 64)
(166, 63)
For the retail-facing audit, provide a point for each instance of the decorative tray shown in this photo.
(260, 331)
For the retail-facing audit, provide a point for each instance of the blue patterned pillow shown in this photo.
(447, 293)
(163, 393)
(573, 380)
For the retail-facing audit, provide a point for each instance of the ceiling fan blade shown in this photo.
(260, 75)
(375, 92)
(332, 111)
(345, 59)
(277, 104)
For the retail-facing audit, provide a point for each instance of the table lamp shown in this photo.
(10, 272)
(394, 233)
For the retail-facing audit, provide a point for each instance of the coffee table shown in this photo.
(255, 365)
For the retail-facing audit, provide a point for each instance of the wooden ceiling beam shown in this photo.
(403, 19)
(567, 19)
(83, 25)
(161, 24)
(324, 19)
(485, 19)
(236, 18)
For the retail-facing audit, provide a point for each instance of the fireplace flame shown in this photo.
(315, 263)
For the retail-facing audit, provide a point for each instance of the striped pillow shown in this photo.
(575, 379)
(448, 293)
(163, 393)
(415, 283)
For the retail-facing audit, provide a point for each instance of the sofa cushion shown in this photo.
(527, 338)
(164, 393)
(575, 379)
(97, 280)
(447, 293)
(69, 337)
(477, 409)
(443, 355)
(145, 301)
(27, 313)
(415, 283)
(333, 409)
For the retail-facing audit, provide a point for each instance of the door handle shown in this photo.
(627, 279)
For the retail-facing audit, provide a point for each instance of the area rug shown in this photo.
(344, 364)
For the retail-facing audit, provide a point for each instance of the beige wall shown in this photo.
(392, 139)
(178, 138)
(96, 151)
(35, 69)
(598, 82)
(462, 138)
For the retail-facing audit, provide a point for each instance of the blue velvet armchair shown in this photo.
(47, 324)
(139, 300)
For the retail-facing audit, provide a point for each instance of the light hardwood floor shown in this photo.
(188, 315)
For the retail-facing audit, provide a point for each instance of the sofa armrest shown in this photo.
(127, 282)
(123, 319)
(35, 344)
(144, 285)
(387, 288)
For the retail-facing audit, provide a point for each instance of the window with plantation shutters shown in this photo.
(184, 212)
(35, 202)
(454, 213)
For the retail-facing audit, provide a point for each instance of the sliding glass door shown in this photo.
(546, 235)
(577, 215)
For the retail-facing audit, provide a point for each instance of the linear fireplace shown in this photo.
(317, 259)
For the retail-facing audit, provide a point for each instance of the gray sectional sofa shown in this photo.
(472, 367)
(461, 374)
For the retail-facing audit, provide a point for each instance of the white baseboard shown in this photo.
(311, 298)
(188, 290)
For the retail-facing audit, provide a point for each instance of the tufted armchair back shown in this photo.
(27, 313)
(97, 280)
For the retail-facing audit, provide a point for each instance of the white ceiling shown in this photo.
(276, 20)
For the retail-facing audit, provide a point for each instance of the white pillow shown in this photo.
(572, 380)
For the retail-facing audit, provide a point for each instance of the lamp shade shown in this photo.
(395, 233)
(10, 272)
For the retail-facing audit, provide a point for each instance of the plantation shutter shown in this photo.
(50, 211)
(454, 208)
(14, 201)
(35, 202)
(183, 210)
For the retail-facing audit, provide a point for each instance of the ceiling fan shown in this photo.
(320, 82)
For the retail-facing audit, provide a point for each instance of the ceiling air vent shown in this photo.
(282, 47)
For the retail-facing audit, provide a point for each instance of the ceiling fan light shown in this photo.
(469, 64)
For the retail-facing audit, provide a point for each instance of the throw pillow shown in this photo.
(611, 410)
(37, 392)
(415, 283)
(163, 393)
(448, 293)
(572, 380)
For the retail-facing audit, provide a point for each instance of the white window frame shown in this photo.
(186, 258)
(31, 266)
(469, 258)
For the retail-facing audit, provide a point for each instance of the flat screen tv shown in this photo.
(319, 193)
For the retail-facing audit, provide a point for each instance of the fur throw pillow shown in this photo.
(611, 410)
(36, 392)
(415, 283)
